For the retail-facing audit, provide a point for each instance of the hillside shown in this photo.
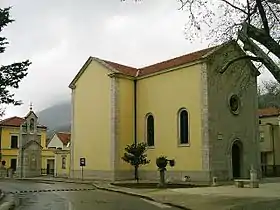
(56, 117)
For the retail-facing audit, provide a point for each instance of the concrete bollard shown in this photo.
(10, 173)
(254, 182)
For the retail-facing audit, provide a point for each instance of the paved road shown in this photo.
(50, 195)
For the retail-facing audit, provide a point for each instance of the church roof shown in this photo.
(135, 72)
(15, 122)
(64, 137)
(171, 63)
(269, 112)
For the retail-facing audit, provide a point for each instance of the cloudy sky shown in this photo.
(59, 36)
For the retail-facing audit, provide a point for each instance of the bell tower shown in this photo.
(29, 158)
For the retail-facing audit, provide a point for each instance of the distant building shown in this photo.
(61, 142)
(23, 146)
(185, 108)
(269, 127)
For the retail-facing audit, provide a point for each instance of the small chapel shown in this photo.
(30, 149)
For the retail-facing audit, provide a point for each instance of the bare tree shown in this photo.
(254, 23)
(269, 94)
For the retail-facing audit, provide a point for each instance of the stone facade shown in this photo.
(227, 128)
(29, 158)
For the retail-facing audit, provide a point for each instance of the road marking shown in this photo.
(160, 205)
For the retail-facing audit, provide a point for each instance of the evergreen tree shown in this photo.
(10, 75)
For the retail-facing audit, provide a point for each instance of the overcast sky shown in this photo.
(59, 35)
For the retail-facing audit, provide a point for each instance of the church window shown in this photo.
(234, 104)
(183, 126)
(32, 125)
(150, 130)
(63, 163)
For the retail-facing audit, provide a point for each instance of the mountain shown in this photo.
(56, 117)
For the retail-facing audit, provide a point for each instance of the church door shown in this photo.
(236, 160)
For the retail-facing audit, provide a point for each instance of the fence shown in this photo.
(271, 170)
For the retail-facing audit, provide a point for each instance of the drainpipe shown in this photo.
(273, 146)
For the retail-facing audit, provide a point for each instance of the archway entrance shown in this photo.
(236, 157)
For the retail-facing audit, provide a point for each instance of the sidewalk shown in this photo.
(209, 198)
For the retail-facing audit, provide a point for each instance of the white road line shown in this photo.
(160, 205)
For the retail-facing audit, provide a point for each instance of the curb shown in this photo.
(140, 196)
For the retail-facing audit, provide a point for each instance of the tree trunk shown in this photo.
(262, 37)
(249, 45)
(136, 173)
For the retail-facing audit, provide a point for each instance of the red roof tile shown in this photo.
(15, 122)
(175, 62)
(127, 70)
(64, 137)
(269, 112)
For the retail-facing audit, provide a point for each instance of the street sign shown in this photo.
(82, 162)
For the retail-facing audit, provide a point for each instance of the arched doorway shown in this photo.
(236, 158)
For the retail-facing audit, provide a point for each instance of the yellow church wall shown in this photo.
(92, 119)
(163, 96)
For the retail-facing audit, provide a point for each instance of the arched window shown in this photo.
(183, 126)
(150, 130)
(63, 165)
(31, 125)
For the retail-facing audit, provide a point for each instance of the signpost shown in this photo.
(82, 164)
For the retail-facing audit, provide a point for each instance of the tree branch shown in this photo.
(252, 58)
(262, 37)
(274, 1)
(236, 7)
(249, 45)
(263, 15)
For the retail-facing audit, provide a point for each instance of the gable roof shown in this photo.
(16, 122)
(30, 142)
(64, 137)
(269, 112)
(133, 72)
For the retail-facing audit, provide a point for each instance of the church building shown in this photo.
(190, 108)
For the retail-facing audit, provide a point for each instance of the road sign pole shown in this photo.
(82, 173)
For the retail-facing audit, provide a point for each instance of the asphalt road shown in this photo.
(53, 196)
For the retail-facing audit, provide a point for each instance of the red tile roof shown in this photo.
(127, 70)
(175, 62)
(172, 63)
(15, 122)
(269, 112)
(64, 137)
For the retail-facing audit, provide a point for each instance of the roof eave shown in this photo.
(198, 61)
(81, 71)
